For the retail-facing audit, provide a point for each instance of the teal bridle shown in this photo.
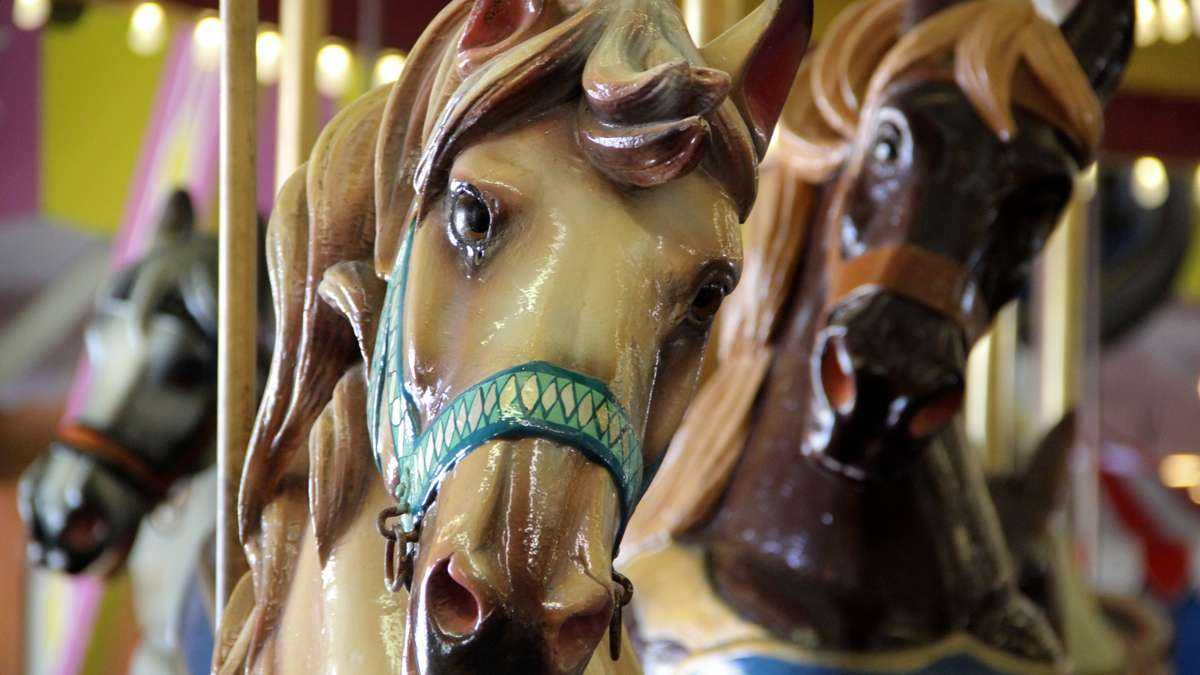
(535, 399)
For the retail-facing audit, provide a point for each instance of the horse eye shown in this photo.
(470, 221)
(887, 144)
(708, 299)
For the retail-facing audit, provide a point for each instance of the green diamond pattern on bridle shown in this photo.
(535, 399)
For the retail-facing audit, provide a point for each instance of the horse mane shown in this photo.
(649, 111)
(840, 85)
(997, 47)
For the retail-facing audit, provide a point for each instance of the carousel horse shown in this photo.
(823, 514)
(129, 480)
(494, 283)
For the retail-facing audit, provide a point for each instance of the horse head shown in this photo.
(557, 192)
(957, 156)
(561, 278)
(146, 415)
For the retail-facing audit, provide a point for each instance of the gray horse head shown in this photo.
(147, 416)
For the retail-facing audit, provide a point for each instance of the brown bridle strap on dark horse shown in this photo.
(915, 273)
(88, 441)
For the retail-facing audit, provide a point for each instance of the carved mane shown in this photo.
(995, 46)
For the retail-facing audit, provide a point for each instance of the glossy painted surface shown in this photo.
(856, 521)
(571, 177)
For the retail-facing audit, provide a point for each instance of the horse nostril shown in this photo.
(935, 414)
(837, 375)
(580, 633)
(453, 605)
(85, 530)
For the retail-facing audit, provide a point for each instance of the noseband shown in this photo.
(535, 399)
(147, 479)
(915, 273)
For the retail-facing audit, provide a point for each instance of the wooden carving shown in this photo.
(494, 282)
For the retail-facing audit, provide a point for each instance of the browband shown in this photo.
(531, 400)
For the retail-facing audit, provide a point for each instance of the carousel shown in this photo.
(761, 337)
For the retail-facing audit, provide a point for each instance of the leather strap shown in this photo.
(90, 442)
(914, 273)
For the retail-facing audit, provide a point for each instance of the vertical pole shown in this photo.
(238, 323)
(991, 407)
(301, 24)
(706, 19)
(1062, 341)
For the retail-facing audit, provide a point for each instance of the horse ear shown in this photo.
(494, 26)
(1100, 33)
(178, 217)
(762, 54)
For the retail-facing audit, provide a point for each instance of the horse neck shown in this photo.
(797, 548)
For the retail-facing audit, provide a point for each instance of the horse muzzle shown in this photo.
(887, 375)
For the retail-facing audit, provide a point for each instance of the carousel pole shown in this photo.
(1062, 341)
(237, 330)
(302, 23)
(991, 396)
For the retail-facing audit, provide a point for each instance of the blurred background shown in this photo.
(106, 106)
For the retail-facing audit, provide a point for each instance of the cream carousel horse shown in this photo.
(129, 481)
(496, 278)
(824, 514)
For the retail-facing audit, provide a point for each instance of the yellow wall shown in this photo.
(96, 101)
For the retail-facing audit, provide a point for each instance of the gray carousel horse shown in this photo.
(130, 481)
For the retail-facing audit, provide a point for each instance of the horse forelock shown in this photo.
(650, 109)
(1002, 52)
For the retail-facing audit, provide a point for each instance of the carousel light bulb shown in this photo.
(1175, 20)
(1196, 187)
(147, 29)
(1146, 30)
(30, 14)
(268, 49)
(1150, 185)
(388, 67)
(1180, 471)
(333, 69)
(207, 38)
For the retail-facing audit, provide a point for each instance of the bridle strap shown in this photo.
(915, 273)
(92, 443)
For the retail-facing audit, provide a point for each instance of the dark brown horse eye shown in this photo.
(470, 218)
(708, 300)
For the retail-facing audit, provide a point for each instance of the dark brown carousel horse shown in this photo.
(930, 148)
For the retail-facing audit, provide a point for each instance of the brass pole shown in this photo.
(236, 356)
(302, 24)
(991, 407)
(1061, 347)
